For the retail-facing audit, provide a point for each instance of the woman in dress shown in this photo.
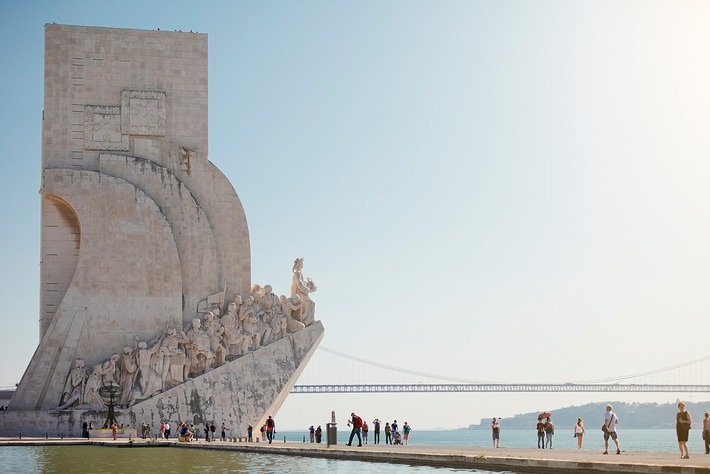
(579, 432)
(682, 426)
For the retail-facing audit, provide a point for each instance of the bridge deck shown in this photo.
(512, 459)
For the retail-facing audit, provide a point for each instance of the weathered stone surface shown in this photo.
(140, 234)
(242, 392)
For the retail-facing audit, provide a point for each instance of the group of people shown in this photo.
(545, 432)
(361, 429)
(268, 430)
(315, 434)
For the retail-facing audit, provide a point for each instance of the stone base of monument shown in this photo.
(239, 393)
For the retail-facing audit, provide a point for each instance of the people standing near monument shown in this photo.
(394, 426)
(610, 422)
(213, 430)
(495, 432)
(365, 430)
(356, 423)
(319, 434)
(406, 429)
(250, 432)
(549, 432)
(167, 429)
(706, 432)
(224, 432)
(312, 433)
(540, 434)
(376, 426)
(270, 428)
(388, 433)
(114, 430)
(683, 421)
(263, 432)
(579, 432)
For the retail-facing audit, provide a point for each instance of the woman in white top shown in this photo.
(579, 432)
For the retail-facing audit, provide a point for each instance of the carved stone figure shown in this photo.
(101, 375)
(279, 325)
(148, 381)
(237, 342)
(292, 312)
(74, 387)
(129, 366)
(249, 321)
(215, 330)
(303, 286)
(175, 366)
(198, 348)
(269, 302)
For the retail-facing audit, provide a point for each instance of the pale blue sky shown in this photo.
(502, 191)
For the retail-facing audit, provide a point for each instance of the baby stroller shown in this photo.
(396, 438)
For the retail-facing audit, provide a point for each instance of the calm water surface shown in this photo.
(95, 459)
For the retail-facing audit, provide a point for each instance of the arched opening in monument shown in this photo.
(59, 255)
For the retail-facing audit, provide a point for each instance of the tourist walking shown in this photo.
(376, 426)
(167, 430)
(406, 429)
(356, 423)
(263, 432)
(706, 432)
(549, 432)
(270, 428)
(495, 432)
(388, 433)
(540, 434)
(682, 427)
(579, 432)
(609, 428)
(365, 430)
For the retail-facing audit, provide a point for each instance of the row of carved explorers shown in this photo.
(173, 357)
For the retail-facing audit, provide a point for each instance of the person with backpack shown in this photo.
(356, 423)
(270, 429)
(549, 432)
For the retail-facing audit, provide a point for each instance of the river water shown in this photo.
(97, 459)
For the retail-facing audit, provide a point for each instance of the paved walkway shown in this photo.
(515, 459)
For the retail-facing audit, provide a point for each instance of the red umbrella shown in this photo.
(544, 414)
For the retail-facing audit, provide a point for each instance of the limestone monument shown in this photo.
(146, 294)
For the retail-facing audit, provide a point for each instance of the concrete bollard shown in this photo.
(20, 435)
(46, 436)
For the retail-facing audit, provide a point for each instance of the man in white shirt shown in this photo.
(610, 421)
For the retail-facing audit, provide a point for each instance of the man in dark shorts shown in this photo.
(610, 421)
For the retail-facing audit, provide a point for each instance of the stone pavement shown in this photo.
(511, 459)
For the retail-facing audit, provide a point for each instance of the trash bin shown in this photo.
(331, 433)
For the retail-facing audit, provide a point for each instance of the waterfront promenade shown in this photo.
(512, 459)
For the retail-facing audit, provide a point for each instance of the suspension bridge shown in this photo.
(365, 376)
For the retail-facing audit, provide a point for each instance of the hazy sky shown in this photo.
(502, 191)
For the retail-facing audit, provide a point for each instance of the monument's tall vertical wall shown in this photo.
(138, 227)
(141, 234)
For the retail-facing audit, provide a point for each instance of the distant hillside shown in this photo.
(631, 415)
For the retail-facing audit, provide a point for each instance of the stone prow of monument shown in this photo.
(140, 235)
